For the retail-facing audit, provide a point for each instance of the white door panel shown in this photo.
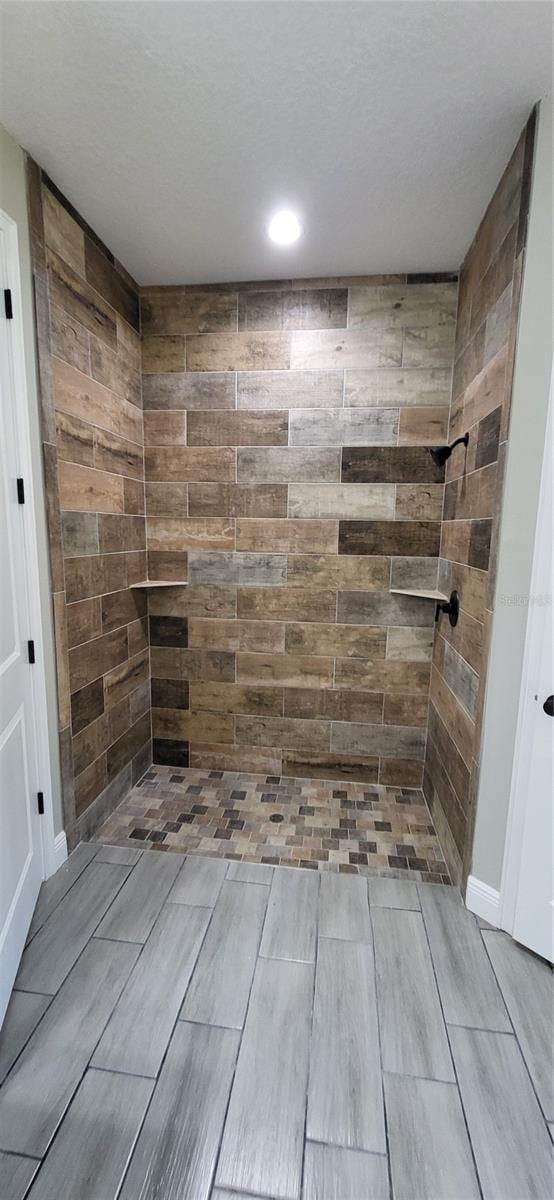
(21, 867)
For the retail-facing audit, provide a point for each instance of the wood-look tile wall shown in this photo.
(486, 331)
(87, 318)
(288, 481)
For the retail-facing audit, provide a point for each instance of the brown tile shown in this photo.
(170, 693)
(409, 709)
(479, 544)
(418, 573)
(133, 496)
(315, 309)
(290, 670)
(62, 667)
(62, 234)
(410, 643)
(177, 724)
(237, 500)
(94, 575)
(123, 679)
(84, 621)
(234, 698)
(419, 501)
(331, 766)
(238, 428)
(190, 390)
(285, 604)
(327, 350)
(211, 757)
(111, 283)
(161, 354)
(120, 608)
(217, 666)
(115, 454)
(182, 463)
(82, 488)
(81, 397)
(343, 641)
(262, 636)
(190, 533)
(389, 537)
(117, 371)
(294, 537)
(238, 352)
(89, 784)
(389, 464)
(79, 533)
(121, 532)
(345, 572)
(391, 388)
(387, 741)
(165, 428)
(69, 339)
(458, 723)
(382, 675)
(86, 705)
(168, 499)
(428, 347)
(81, 301)
(179, 312)
(95, 658)
(283, 732)
(75, 440)
(167, 565)
(125, 748)
(275, 390)
(407, 305)
(137, 633)
(52, 498)
(400, 772)
(423, 426)
(333, 705)
(288, 465)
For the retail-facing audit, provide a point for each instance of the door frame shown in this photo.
(53, 847)
(517, 811)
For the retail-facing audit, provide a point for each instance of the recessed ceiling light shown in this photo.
(284, 228)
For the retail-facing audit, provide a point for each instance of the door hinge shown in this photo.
(8, 306)
(20, 492)
(40, 803)
(31, 650)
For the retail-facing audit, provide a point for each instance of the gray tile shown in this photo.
(16, 1174)
(224, 1194)
(262, 1143)
(132, 915)
(512, 1148)
(22, 1016)
(466, 982)
(344, 908)
(57, 946)
(139, 1030)
(430, 1154)
(55, 888)
(177, 1148)
(91, 1152)
(527, 987)
(291, 922)
(243, 872)
(344, 427)
(413, 1036)
(332, 1173)
(345, 1100)
(124, 855)
(199, 882)
(220, 986)
(42, 1082)
(393, 893)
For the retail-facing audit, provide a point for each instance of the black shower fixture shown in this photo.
(440, 454)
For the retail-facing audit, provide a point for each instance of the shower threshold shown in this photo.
(350, 828)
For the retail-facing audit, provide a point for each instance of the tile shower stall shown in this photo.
(260, 451)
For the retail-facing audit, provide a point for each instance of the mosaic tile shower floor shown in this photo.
(351, 828)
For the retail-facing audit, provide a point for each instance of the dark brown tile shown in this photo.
(420, 538)
(168, 631)
(389, 464)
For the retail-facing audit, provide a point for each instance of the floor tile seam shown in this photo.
(56, 906)
(453, 1062)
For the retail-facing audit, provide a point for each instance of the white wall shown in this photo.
(13, 200)
(533, 364)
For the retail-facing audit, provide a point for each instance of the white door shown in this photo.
(21, 866)
(533, 922)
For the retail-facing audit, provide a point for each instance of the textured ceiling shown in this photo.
(177, 128)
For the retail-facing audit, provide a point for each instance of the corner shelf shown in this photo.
(156, 583)
(423, 593)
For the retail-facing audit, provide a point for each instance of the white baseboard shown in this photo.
(483, 900)
(60, 851)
